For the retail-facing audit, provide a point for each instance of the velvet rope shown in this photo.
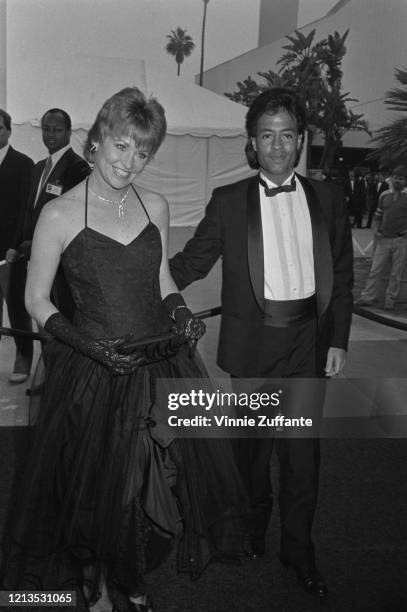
(204, 314)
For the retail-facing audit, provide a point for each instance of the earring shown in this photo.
(92, 148)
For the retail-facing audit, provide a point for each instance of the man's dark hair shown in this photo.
(270, 102)
(58, 111)
(6, 119)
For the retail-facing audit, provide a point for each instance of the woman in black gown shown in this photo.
(103, 495)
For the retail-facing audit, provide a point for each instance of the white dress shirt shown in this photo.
(287, 243)
(3, 153)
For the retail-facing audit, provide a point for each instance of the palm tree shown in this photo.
(314, 70)
(180, 45)
(203, 43)
(391, 140)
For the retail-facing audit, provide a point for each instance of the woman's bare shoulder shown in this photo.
(155, 204)
(66, 207)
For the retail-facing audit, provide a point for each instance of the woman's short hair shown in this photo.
(128, 112)
(271, 102)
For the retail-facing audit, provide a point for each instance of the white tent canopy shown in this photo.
(204, 147)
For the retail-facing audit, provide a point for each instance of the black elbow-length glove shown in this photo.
(102, 351)
(185, 324)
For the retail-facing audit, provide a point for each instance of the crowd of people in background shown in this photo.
(363, 188)
(390, 243)
(377, 200)
(363, 191)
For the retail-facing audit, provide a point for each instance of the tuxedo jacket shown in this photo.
(232, 229)
(70, 170)
(15, 180)
(357, 195)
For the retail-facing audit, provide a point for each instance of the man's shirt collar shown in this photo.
(270, 182)
(3, 152)
(55, 157)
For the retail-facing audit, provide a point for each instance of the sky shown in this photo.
(131, 28)
(138, 28)
(52, 37)
(310, 10)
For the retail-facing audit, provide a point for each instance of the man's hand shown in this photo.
(106, 352)
(335, 361)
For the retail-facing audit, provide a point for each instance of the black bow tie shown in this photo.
(272, 191)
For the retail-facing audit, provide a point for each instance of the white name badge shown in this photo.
(54, 189)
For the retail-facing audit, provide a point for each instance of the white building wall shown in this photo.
(3, 55)
(276, 17)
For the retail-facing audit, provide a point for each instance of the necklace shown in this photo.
(119, 203)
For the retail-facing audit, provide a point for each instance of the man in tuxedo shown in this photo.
(15, 174)
(383, 182)
(356, 194)
(286, 251)
(52, 177)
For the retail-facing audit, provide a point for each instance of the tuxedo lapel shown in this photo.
(321, 248)
(255, 240)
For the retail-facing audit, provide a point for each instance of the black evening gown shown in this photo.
(101, 491)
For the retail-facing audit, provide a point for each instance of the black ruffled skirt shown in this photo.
(105, 493)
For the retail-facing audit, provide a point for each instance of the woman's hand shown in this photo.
(106, 352)
(186, 326)
(190, 329)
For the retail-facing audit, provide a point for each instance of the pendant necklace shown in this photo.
(119, 203)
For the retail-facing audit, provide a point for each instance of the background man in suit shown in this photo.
(52, 177)
(382, 182)
(356, 194)
(286, 304)
(15, 173)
